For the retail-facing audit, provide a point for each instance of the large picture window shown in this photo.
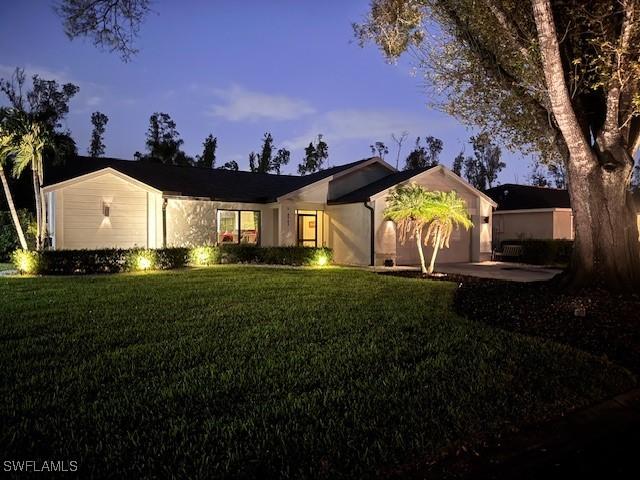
(238, 226)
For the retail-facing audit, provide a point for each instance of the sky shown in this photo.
(237, 70)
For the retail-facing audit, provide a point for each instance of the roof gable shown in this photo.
(380, 187)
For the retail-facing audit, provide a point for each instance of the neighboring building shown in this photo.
(525, 211)
(105, 203)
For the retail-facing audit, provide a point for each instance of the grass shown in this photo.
(6, 266)
(257, 372)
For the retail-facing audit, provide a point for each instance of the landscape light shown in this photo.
(201, 256)
(322, 260)
(144, 261)
(25, 261)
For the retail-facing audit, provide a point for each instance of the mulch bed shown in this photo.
(591, 320)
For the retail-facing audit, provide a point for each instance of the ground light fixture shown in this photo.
(25, 261)
(322, 260)
(144, 261)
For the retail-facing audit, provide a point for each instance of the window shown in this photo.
(249, 226)
(310, 227)
(238, 226)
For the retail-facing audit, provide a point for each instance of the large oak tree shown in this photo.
(559, 77)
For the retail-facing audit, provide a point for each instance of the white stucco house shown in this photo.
(104, 203)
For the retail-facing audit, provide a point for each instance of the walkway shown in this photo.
(515, 272)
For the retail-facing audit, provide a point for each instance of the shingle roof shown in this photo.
(511, 196)
(363, 194)
(223, 185)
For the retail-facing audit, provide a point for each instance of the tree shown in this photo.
(99, 121)
(482, 169)
(314, 156)
(399, 140)
(231, 165)
(379, 149)
(33, 138)
(458, 162)
(558, 173)
(46, 102)
(7, 151)
(164, 142)
(281, 158)
(537, 177)
(261, 163)
(111, 24)
(562, 80)
(35, 126)
(208, 157)
(425, 156)
(444, 212)
(406, 207)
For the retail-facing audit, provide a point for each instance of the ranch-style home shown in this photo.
(525, 211)
(104, 203)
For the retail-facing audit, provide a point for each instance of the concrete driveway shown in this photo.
(515, 272)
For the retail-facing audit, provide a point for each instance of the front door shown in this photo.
(307, 230)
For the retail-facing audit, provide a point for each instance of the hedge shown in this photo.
(543, 252)
(72, 262)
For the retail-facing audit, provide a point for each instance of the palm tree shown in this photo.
(7, 150)
(407, 207)
(444, 211)
(33, 138)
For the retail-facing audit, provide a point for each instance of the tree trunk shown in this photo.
(12, 209)
(43, 210)
(418, 235)
(606, 251)
(436, 246)
(38, 198)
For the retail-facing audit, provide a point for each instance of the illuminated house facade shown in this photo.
(111, 203)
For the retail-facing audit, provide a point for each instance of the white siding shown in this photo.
(80, 222)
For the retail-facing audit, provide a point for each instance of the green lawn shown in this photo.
(251, 372)
(6, 266)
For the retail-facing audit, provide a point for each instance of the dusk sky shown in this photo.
(237, 70)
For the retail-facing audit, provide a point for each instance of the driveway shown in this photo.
(515, 272)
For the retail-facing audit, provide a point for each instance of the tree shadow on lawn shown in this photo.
(592, 320)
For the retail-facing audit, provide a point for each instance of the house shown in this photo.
(103, 203)
(526, 211)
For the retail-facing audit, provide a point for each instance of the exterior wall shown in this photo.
(354, 180)
(513, 226)
(350, 233)
(465, 245)
(563, 224)
(80, 222)
(193, 222)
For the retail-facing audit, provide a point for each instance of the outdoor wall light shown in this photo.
(106, 209)
(485, 219)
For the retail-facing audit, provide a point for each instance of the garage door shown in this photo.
(459, 250)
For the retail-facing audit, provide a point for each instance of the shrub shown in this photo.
(8, 236)
(306, 256)
(544, 252)
(73, 262)
(26, 261)
(204, 256)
